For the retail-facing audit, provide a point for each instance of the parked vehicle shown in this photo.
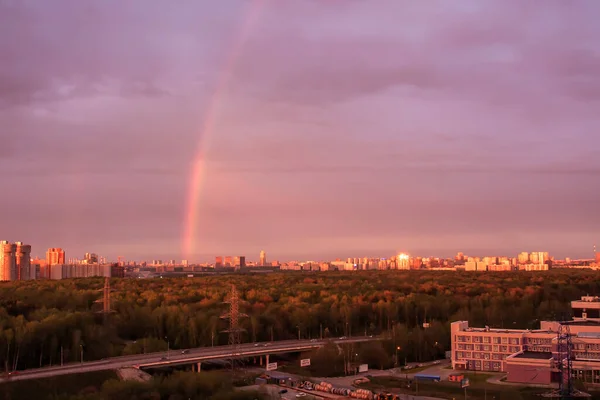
(424, 377)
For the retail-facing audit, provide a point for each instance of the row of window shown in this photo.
(547, 349)
(586, 355)
(487, 365)
(538, 341)
(487, 339)
(460, 355)
(588, 346)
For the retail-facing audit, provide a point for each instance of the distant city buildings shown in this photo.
(403, 261)
(67, 271)
(23, 262)
(8, 263)
(15, 262)
(263, 258)
(90, 258)
(55, 256)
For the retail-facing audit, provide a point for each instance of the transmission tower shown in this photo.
(105, 300)
(234, 331)
(565, 366)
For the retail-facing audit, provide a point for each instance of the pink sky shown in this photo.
(347, 128)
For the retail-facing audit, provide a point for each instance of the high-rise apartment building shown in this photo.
(8, 263)
(403, 261)
(92, 258)
(55, 256)
(523, 257)
(539, 257)
(23, 262)
(598, 257)
(263, 258)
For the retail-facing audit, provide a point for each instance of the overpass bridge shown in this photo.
(183, 357)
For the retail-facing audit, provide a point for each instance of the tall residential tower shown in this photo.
(263, 258)
(8, 262)
(23, 262)
(55, 256)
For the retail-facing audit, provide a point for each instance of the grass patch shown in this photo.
(478, 378)
(51, 388)
(451, 390)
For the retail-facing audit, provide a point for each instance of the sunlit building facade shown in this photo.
(8, 262)
(23, 262)
(531, 356)
(262, 258)
(55, 256)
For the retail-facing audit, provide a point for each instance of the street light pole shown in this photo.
(168, 346)
(81, 348)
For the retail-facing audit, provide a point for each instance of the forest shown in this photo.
(42, 321)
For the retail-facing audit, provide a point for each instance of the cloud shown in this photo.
(340, 119)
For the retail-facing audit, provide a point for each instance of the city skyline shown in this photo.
(57, 256)
(308, 129)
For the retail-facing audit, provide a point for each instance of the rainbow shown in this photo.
(207, 130)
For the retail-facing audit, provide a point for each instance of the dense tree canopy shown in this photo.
(39, 318)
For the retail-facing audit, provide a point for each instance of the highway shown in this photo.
(180, 357)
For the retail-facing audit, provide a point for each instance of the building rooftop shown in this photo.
(495, 330)
(536, 355)
(585, 322)
(589, 335)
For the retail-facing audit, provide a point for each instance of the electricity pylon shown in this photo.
(234, 331)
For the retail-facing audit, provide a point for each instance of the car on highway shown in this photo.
(313, 340)
(163, 359)
(265, 345)
(282, 391)
(343, 337)
(256, 344)
(437, 362)
(185, 352)
(301, 394)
